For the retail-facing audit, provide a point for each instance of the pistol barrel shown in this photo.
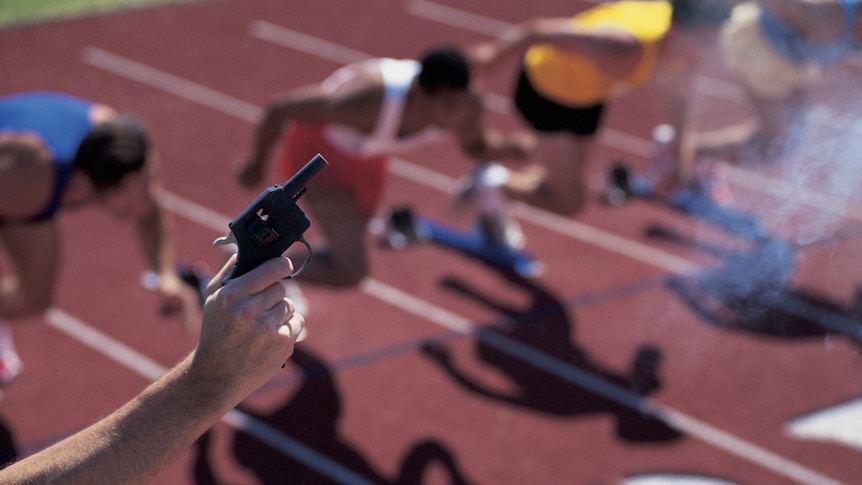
(300, 179)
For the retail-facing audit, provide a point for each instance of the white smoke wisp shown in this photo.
(824, 172)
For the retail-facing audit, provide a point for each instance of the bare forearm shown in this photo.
(136, 441)
(156, 235)
(268, 132)
(497, 146)
(249, 331)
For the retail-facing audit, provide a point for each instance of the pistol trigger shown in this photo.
(225, 240)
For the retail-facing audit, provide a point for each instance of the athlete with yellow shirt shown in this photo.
(572, 67)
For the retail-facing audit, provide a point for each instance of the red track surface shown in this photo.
(546, 401)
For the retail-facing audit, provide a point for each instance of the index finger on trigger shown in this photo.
(215, 281)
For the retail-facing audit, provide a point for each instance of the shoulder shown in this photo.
(364, 92)
(100, 113)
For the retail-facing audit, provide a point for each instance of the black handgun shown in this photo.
(272, 223)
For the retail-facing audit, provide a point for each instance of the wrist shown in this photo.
(212, 391)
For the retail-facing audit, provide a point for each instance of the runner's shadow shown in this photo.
(544, 327)
(8, 450)
(310, 419)
(750, 291)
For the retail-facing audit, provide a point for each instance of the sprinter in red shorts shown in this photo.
(356, 118)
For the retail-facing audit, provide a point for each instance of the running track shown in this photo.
(537, 390)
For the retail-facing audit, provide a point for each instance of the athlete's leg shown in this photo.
(32, 251)
(769, 136)
(27, 288)
(556, 181)
(775, 87)
(781, 122)
(341, 260)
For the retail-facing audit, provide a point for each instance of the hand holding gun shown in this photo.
(272, 223)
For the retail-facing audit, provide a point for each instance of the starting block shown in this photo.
(404, 228)
(694, 201)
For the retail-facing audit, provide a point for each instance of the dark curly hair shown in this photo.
(111, 150)
(444, 68)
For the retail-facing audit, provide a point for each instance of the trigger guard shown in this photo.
(299, 270)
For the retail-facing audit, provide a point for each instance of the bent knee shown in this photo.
(569, 206)
(38, 303)
(341, 274)
(564, 203)
(18, 305)
(347, 278)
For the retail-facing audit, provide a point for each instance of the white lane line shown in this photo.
(609, 241)
(151, 370)
(177, 86)
(228, 105)
(676, 419)
(195, 212)
(113, 349)
(456, 17)
(305, 43)
(417, 306)
(674, 479)
(293, 448)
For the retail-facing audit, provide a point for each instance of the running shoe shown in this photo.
(10, 363)
(623, 184)
(502, 230)
(402, 229)
(481, 189)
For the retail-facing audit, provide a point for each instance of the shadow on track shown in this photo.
(750, 290)
(544, 325)
(311, 417)
(8, 450)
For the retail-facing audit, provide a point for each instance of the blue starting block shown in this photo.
(405, 228)
(694, 201)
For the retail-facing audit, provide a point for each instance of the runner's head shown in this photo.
(115, 157)
(444, 80)
(111, 150)
(444, 68)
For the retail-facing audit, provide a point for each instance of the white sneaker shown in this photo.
(481, 189)
(10, 363)
(503, 230)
